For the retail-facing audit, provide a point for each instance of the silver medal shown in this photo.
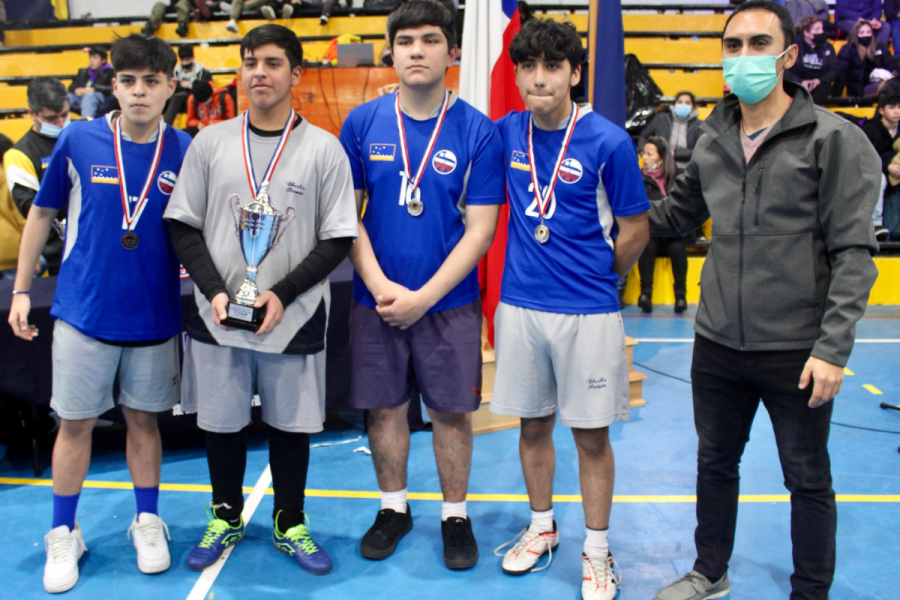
(542, 233)
(415, 207)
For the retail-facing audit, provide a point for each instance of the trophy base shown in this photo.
(248, 318)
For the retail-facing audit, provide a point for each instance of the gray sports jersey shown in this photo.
(312, 176)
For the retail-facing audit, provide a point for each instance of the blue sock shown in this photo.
(147, 499)
(64, 510)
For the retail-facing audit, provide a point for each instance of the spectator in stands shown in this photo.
(91, 85)
(849, 13)
(892, 16)
(801, 9)
(237, 7)
(2, 21)
(183, 9)
(48, 107)
(659, 176)
(883, 131)
(817, 65)
(206, 106)
(286, 7)
(679, 125)
(11, 222)
(865, 63)
(186, 74)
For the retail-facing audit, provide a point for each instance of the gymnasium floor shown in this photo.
(652, 519)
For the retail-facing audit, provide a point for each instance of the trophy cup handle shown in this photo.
(234, 202)
(289, 215)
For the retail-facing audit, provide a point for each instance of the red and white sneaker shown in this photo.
(601, 577)
(528, 548)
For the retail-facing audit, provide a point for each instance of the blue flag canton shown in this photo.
(382, 151)
(45, 162)
(101, 174)
(519, 161)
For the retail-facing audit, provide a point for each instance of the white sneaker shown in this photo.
(232, 26)
(287, 11)
(268, 12)
(152, 550)
(601, 577)
(530, 545)
(64, 549)
(323, 20)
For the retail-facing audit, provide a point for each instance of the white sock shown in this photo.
(596, 542)
(542, 520)
(394, 500)
(453, 509)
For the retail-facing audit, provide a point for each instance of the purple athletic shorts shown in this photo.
(439, 357)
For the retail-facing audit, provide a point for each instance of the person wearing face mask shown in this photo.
(849, 13)
(865, 63)
(48, 107)
(659, 176)
(791, 188)
(817, 66)
(680, 126)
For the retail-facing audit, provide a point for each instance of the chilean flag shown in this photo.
(487, 81)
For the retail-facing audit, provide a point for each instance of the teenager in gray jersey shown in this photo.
(305, 173)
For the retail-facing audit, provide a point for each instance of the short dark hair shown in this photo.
(888, 98)
(418, 13)
(279, 35)
(549, 39)
(185, 51)
(138, 51)
(5, 145)
(783, 14)
(46, 92)
(97, 51)
(688, 94)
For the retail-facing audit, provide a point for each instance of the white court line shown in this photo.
(691, 340)
(206, 580)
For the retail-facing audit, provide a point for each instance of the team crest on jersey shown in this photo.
(570, 171)
(104, 175)
(166, 182)
(519, 161)
(382, 151)
(444, 162)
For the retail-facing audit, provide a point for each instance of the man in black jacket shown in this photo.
(92, 85)
(790, 188)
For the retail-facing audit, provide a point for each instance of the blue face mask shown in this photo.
(751, 78)
(682, 111)
(53, 131)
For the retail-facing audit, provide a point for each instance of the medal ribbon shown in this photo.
(131, 218)
(544, 203)
(414, 183)
(248, 161)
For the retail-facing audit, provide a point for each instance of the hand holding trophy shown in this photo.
(258, 224)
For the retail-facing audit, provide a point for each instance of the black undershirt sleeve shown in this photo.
(196, 259)
(324, 258)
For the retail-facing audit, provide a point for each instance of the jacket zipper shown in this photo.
(758, 194)
(741, 263)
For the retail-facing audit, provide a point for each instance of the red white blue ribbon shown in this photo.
(544, 202)
(273, 162)
(132, 217)
(414, 183)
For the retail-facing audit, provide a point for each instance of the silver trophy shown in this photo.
(257, 226)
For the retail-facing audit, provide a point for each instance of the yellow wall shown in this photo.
(885, 291)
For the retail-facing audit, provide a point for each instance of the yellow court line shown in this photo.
(360, 494)
(848, 371)
(872, 389)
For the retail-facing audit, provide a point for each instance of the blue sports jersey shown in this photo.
(599, 179)
(104, 290)
(463, 168)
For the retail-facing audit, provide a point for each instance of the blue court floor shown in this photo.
(652, 519)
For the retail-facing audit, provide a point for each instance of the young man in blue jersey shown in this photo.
(577, 222)
(117, 301)
(428, 163)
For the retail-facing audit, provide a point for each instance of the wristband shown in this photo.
(21, 292)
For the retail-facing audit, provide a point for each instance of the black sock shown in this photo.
(226, 454)
(289, 461)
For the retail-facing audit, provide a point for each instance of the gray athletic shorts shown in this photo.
(219, 383)
(549, 362)
(85, 370)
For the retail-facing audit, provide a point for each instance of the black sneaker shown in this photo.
(680, 304)
(460, 548)
(182, 29)
(381, 539)
(881, 233)
(645, 303)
